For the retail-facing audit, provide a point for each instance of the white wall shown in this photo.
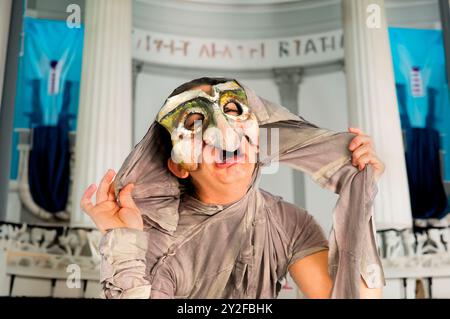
(282, 182)
(323, 101)
(151, 92)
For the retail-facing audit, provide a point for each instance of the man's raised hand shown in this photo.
(107, 213)
(363, 153)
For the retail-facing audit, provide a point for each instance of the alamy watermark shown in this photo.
(373, 20)
(74, 278)
(73, 21)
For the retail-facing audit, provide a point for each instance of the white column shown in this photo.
(288, 81)
(5, 15)
(373, 104)
(104, 121)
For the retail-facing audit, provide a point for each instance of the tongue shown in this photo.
(228, 162)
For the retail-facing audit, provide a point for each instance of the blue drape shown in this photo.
(424, 108)
(428, 198)
(51, 57)
(423, 161)
(47, 102)
(419, 68)
(49, 168)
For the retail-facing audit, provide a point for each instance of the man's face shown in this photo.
(214, 133)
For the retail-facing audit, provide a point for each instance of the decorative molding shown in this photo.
(45, 252)
(406, 243)
(248, 6)
(408, 4)
(233, 21)
(257, 53)
(408, 254)
(192, 72)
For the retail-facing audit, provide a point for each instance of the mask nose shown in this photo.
(222, 135)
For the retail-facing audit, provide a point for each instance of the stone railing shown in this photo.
(413, 259)
(49, 261)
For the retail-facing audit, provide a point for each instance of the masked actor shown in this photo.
(184, 216)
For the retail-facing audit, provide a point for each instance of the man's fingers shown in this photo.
(86, 203)
(125, 197)
(358, 141)
(360, 151)
(377, 164)
(363, 152)
(112, 191)
(355, 130)
(363, 156)
(363, 161)
(102, 193)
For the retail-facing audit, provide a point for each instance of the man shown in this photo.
(190, 221)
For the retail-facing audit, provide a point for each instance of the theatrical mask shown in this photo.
(220, 120)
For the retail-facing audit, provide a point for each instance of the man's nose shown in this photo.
(222, 135)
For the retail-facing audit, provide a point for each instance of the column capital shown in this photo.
(137, 67)
(288, 76)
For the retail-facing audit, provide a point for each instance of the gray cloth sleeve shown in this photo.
(303, 235)
(123, 265)
(308, 238)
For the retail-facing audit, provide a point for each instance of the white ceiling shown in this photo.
(230, 19)
(241, 19)
(245, 2)
(247, 19)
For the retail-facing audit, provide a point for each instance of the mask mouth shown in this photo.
(237, 155)
(228, 156)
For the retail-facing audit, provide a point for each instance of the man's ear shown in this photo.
(177, 169)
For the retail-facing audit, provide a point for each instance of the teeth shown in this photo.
(227, 154)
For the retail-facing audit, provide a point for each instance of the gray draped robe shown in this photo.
(190, 249)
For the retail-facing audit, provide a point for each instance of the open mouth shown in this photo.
(228, 158)
(226, 155)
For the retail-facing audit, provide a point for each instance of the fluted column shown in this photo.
(5, 15)
(288, 81)
(373, 106)
(104, 121)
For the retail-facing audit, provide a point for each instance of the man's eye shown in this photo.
(232, 108)
(189, 123)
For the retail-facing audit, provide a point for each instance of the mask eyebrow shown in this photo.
(227, 86)
(238, 95)
(176, 101)
(179, 114)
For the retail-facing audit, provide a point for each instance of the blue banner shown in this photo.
(422, 88)
(49, 77)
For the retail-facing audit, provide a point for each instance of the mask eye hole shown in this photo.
(189, 122)
(232, 108)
